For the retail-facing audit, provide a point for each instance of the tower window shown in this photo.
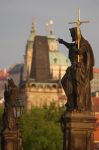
(55, 60)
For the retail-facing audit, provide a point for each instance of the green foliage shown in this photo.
(42, 129)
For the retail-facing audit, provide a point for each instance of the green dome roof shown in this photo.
(58, 58)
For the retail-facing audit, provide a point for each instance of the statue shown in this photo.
(78, 120)
(11, 94)
(76, 81)
(11, 134)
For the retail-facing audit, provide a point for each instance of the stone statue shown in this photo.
(11, 94)
(11, 134)
(76, 81)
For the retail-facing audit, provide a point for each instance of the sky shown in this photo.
(16, 19)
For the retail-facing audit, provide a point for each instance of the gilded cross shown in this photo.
(78, 23)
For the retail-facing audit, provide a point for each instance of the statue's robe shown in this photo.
(76, 81)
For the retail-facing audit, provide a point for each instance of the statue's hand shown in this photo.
(60, 41)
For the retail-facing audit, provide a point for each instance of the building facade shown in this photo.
(44, 66)
(95, 81)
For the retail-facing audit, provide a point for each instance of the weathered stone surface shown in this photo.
(78, 130)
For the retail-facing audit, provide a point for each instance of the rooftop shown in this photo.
(57, 58)
(16, 68)
(96, 70)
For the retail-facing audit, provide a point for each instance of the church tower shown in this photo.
(44, 66)
(29, 52)
(40, 68)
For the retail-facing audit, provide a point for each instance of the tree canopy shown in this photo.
(41, 128)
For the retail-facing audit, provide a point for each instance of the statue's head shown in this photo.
(73, 32)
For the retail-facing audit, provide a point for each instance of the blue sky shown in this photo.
(16, 19)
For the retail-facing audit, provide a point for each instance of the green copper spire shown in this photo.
(32, 32)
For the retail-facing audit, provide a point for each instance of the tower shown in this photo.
(40, 68)
(29, 52)
(44, 64)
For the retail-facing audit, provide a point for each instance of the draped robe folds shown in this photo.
(76, 81)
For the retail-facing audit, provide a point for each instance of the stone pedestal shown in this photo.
(78, 130)
(12, 140)
(9, 140)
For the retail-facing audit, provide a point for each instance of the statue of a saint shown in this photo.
(76, 81)
(11, 94)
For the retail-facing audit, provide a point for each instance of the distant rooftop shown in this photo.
(16, 68)
(96, 70)
(3, 74)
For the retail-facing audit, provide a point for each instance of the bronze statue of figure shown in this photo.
(11, 94)
(76, 81)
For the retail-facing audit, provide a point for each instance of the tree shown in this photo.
(41, 129)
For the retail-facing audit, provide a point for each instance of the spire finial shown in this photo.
(47, 28)
(33, 30)
(51, 27)
(33, 25)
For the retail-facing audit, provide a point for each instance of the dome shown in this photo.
(58, 58)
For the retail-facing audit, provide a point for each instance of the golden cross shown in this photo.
(78, 23)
